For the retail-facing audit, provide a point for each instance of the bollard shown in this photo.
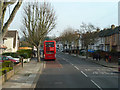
(22, 61)
(5, 73)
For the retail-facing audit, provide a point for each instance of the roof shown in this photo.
(2, 47)
(25, 48)
(11, 33)
(109, 32)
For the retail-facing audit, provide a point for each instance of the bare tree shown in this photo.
(76, 40)
(62, 40)
(3, 6)
(87, 35)
(67, 37)
(38, 21)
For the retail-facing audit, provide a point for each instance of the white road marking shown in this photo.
(71, 63)
(96, 85)
(95, 72)
(84, 73)
(44, 65)
(63, 58)
(87, 69)
(68, 61)
(76, 67)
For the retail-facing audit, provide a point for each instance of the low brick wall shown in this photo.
(17, 67)
(3, 78)
(9, 74)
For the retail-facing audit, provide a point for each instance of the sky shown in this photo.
(71, 13)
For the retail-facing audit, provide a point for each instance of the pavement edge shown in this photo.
(38, 75)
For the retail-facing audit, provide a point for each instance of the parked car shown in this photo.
(5, 58)
(16, 58)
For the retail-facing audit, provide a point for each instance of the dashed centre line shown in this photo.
(76, 67)
(96, 84)
(84, 73)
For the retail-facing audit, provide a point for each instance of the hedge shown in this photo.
(25, 53)
(14, 55)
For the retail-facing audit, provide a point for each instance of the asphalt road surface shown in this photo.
(73, 72)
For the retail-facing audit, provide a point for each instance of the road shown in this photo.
(73, 72)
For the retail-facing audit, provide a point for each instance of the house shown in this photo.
(11, 41)
(112, 38)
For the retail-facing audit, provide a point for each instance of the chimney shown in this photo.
(104, 29)
(112, 27)
(98, 30)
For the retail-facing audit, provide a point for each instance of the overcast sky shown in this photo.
(73, 12)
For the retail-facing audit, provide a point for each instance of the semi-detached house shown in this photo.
(112, 38)
(11, 41)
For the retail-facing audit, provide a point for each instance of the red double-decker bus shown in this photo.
(49, 50)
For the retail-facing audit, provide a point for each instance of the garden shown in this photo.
(8, 65)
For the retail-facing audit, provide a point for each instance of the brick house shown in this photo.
(112, 38)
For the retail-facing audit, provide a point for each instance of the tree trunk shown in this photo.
(63, 47)
(87, 52)
(69, 49)
(77, 53)
(38, 53)
(1, 25)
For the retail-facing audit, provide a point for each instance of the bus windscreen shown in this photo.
(49, 44)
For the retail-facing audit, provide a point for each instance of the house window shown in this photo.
(101, 40)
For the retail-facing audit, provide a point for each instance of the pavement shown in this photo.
(26, 77)
(101, 62)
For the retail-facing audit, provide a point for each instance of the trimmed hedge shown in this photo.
(14, 55)
(25, 53)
